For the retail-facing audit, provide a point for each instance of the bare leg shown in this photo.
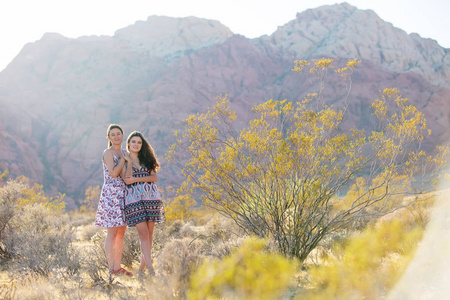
(143, 264)
(118, 247)
(145, 230)
(109, 246)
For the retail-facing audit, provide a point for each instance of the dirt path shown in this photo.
(428, 275)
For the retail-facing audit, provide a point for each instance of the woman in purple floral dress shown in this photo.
(110, 213)
(143, 205)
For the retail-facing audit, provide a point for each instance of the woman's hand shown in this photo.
(126, 156)
(129, 180)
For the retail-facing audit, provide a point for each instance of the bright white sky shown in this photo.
(24, 21)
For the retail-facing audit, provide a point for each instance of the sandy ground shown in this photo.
(428, 275)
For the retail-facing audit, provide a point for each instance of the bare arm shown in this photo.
(128, 164)
(151, 178)
(108, 159)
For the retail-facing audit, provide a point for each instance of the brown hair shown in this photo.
(111, 127)
(146, 155)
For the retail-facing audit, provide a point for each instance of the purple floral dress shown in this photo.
(110, 206)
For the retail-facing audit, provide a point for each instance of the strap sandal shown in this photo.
(122, 271)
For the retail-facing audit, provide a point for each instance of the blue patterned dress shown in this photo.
(143, 201)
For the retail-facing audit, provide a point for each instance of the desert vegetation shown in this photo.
(290, 207)
(48, 253)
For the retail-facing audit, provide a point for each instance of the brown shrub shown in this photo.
(9, 196)
(81, 219)
(131, 247)
(41, 242)
(176, 261)
(86, 232)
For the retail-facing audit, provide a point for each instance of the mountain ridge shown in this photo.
(59, 94)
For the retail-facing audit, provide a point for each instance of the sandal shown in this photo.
(122, 271)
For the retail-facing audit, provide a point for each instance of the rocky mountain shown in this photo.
(58, 95)
(350, 32)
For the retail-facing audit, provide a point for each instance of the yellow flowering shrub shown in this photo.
(3, 174)
(31, 194)
(368, 265)
(248, 273)
(280, 176)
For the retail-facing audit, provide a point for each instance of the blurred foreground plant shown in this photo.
(280, 176)
(248, 273)
(368, 265)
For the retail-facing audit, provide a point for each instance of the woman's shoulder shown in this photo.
(108, 153)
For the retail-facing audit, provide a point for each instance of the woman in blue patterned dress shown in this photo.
(110, 206)
(143, 205)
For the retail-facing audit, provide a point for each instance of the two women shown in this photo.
(144, 205)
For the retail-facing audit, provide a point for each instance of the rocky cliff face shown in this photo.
(172, 38)
(345, 31)
(59, 95)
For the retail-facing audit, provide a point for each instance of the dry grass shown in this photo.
(179, 248)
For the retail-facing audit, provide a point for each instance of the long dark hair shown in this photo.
(111, 127)
(146, 155)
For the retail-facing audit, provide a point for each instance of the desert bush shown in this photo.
(419, 212)
(280, 175)
(3, 175)
(165, 232)
(176, 261)
(9, 197)
(178, 207)
(80, 219)
(90, 202)
(367, 265)
(16, 198)
(84, 225)
(180, 246)
(94, 262)
(131, 247)
(41, 242)
(34, 193)
(250, 272)
(215, 238)
(86, 232)
(174, 229)
(219, 237)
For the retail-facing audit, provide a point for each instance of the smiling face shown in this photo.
(115, 136)
(135, 144)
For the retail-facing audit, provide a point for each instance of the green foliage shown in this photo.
(279, 177)
(369, 264)
(248, 273)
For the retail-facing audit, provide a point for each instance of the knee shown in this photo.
(120, 233)
(111, 235)
(144, 236)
